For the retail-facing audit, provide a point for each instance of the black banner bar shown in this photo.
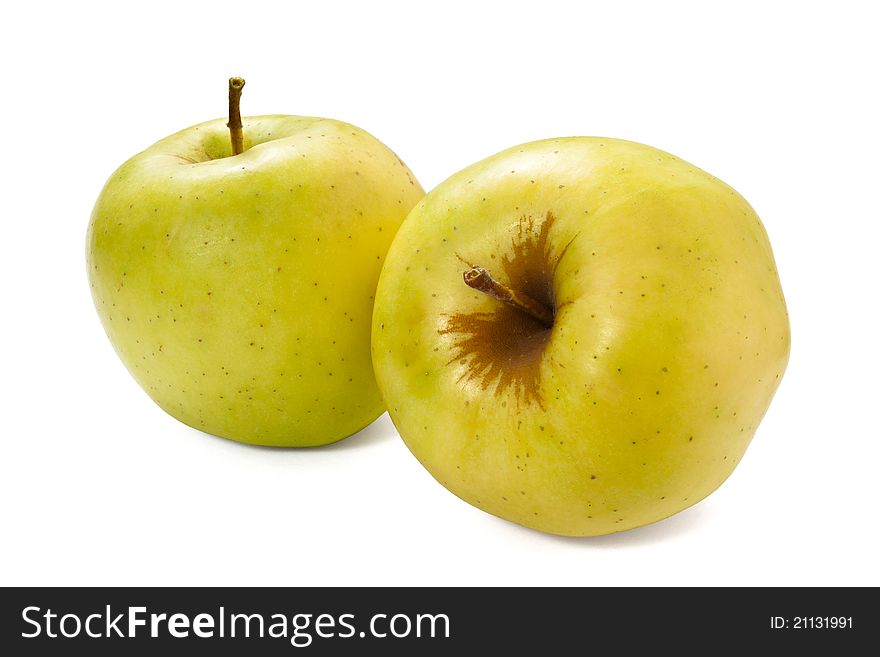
(433, 621)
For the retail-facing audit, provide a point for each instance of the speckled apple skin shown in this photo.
(238, 290)
(670, 338)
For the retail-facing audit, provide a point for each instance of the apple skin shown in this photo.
(238, 290)
(669, 340)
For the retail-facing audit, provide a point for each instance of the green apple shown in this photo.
(238, 288)
(615, 340)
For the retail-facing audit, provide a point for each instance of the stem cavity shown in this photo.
(482, 281)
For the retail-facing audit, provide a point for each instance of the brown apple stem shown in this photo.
(481, 280)
(234, 125)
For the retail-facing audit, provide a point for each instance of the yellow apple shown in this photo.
(238, 288)
(580, 335)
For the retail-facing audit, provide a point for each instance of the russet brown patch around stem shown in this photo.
(503, 348)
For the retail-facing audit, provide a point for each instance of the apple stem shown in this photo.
(481, 280)
(234, 125)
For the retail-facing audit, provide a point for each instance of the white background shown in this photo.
(99, 486)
